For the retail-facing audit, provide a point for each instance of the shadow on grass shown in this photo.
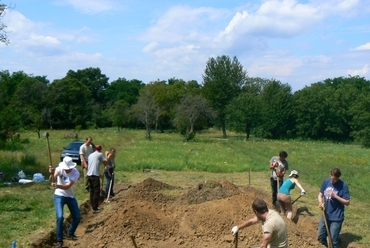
(347, 238)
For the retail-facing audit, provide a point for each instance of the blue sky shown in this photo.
(296, 42)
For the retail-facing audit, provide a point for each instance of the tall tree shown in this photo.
(95, 81)
(278, 121)
(222, 81)
(123, 89)
(70, 103)
(29, 101)
(146, 110)
(244, 113)
(191, 110)
(10, 121)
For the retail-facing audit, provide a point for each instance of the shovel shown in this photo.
(110, 187)
(296, 199)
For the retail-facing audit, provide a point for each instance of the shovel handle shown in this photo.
(236, 239)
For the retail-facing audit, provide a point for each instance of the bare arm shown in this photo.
(248, 223)
(295, 180)
(266, 238)
(83, 161)
(319, 199)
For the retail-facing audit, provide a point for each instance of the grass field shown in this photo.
(27, 210)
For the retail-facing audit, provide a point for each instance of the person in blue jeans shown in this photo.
(108, 172)
(333, 196)
(65, 176)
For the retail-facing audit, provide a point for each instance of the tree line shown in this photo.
(335, 109)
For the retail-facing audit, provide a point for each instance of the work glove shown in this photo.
(234, 230)
(303, 192)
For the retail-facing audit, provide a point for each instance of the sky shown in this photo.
(298, 42)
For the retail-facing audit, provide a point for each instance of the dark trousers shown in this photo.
(109, 179)
(94, 182)
(274, 188)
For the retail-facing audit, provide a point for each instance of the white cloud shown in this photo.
(364, 71)
(91, 6)
(183, 24)
(274, 66)
(40, 40)
(362, 47)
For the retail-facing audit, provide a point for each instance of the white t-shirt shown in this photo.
(86, 150)
(63, 178)
(95, 160)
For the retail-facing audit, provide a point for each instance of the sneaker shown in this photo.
(95, 211)
(71, 237)
(59, 245)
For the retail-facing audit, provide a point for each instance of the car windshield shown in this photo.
(74, 146)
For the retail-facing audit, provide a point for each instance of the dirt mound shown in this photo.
(155, 214)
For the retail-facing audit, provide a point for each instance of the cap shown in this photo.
(293, 172)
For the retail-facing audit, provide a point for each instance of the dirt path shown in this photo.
(160, 215)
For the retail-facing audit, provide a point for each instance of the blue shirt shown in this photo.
(334, 210)
(287, 186)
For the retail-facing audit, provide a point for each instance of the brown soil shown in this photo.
(155, 214)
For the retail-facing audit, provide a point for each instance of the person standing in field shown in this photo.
(108, 172)
(66, 175)
(93, 173)
(278, 166)
(284, 197)
(85, 150)
(274, 229)
(333, 196)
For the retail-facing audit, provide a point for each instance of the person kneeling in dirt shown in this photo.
(284, 197)
(275, 233)
(65, 176)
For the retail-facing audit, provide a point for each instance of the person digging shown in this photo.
(65, 175)
(275, 233)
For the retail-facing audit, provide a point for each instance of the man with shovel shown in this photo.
(275, 233)
(65, 176)
(278, 166)
(332, 198)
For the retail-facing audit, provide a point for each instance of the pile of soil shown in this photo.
(155, 214)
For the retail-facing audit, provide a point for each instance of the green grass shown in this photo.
(27, 210)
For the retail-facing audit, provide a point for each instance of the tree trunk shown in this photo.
(224, 130)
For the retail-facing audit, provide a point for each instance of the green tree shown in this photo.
(146, 110)
(70, 103)
(223, 79)
(29, 100)
(95, 81)
(10, 121)
(277, 110)
(119, 113)
(192, 110)
(244, 113)
(123, 89)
